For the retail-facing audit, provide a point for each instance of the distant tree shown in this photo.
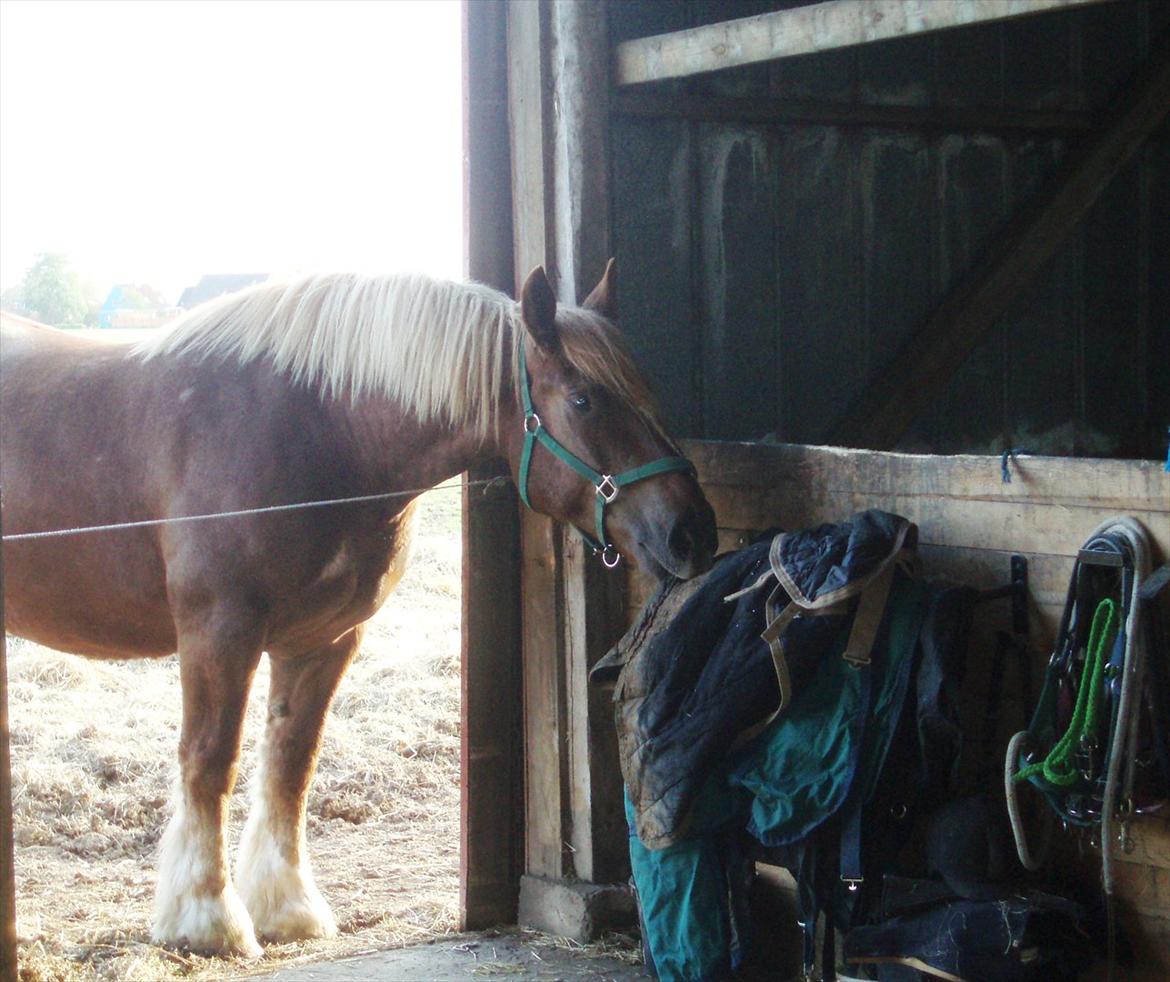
(51, 291)
(12, 300)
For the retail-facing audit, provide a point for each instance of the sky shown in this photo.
(153, 142)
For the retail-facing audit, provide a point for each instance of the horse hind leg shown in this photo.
(273, 871)
(197, 906)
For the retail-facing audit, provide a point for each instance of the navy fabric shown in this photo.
(1028, 937)
(826, 559)
(696, 678)
(699, 684)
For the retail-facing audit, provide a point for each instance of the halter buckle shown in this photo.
(531, 424)
(606, 553)
(607, 489)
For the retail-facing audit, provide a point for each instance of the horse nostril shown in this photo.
(680, 541)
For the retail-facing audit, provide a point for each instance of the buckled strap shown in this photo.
(868, 618)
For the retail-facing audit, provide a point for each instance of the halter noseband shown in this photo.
(606, 485)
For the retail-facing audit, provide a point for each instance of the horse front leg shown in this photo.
(197, 906)
(273, 871)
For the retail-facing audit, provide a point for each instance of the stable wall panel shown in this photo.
(970, 524)
(654, 201)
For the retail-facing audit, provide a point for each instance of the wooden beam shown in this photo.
(807, 29)
(491, 747)
(545, 751)
(926, 362)
(653, 104)
(557, 55)
(594, 597)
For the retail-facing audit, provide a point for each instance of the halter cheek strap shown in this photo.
(606, 486)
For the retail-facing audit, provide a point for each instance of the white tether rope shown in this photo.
(180, 519)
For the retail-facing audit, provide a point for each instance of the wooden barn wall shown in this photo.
(769, 270)
(970, 524)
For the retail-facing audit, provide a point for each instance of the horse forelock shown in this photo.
(442, 350)
(592, 346)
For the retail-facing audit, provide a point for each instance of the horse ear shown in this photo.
(538, 308)
(603, 299)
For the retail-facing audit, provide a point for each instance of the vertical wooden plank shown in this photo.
(1115, 236)
(580, 74)
(1113, 45)
(969, 413)
(492, 776)
(594, 597)
(1157, 378)
(1037, 70)
(1116, 240)
(821, 300)
(541, 600)
(1040, 326)
(898, 218)
(7, 859)
(830, 76)
(736, 173)
(897, 72)
(1040, 387)
(596, 615)
(968, 66)
(653, 208)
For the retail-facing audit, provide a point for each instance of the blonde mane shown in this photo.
(443, 350)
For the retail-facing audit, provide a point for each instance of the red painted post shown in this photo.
(7, 862)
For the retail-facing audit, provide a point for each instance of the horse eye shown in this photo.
(581, 403)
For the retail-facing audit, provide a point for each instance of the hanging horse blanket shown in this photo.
(712, 661)
(765, 697)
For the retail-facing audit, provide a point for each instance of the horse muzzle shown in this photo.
(683, 547)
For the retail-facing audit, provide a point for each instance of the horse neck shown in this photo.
(388, 447)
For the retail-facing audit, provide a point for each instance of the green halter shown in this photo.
(606, 485)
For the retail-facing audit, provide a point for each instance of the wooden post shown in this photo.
(572, 611)
(530, 105)
(492, 753)
(594, 597)
(7, 860)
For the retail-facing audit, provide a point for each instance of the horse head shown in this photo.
(590, 448)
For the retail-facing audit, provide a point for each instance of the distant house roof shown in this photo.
(133, 295)
(217, 284)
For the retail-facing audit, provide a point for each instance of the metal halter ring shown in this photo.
(531, 423)
(607, 489)
(606, 553)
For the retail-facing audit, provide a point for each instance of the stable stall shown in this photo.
(897, 255)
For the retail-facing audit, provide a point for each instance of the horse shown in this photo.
(320, 387)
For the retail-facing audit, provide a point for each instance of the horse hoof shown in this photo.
(298, 925)
(299, 916)
(207, 926)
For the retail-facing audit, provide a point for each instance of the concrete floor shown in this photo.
(518, 955)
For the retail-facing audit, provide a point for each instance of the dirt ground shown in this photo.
(93, 748)
(523, 955)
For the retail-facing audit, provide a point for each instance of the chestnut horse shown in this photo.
(327, 387)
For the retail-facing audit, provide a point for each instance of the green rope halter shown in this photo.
(1059, 767)
(606, 485)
